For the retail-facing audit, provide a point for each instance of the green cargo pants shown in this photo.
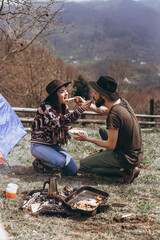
(104, 162)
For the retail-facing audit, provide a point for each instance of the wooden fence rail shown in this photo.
(88, 117)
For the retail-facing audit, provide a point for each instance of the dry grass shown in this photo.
(141, 197)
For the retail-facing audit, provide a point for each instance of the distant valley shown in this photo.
(110, 29)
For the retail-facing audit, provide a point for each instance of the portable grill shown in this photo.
(68, 202)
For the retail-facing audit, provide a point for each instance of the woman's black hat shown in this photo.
(54, 86)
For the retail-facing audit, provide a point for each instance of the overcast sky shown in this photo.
(86, 0)
(80, 0)
(76, 0)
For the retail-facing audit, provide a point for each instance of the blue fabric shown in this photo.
(11, 128)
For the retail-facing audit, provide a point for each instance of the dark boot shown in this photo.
(129, 175)
(40, 167)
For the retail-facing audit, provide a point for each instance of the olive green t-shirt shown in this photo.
(129, 144)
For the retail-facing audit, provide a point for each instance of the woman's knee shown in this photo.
(71, 168)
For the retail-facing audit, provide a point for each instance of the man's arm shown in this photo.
(109, 144)
(101, 110)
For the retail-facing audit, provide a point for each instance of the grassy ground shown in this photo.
(141, 197)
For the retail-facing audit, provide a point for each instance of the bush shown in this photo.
(81, 88)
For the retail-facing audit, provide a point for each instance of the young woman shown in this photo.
(50, 130)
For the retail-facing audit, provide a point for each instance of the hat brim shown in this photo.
(64, 84)
(112, 96)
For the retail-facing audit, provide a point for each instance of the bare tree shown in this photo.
(24, 79)
(119, 70)
(23, 21)
(27, 74)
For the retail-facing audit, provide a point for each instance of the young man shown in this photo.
(121, 137)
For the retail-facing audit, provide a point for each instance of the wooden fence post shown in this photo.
(152, 110)
(83, 116)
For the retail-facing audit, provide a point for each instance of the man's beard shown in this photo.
(99, 102)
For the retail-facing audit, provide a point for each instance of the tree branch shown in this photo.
(22, 22)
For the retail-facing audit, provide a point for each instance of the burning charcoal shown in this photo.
(31, 200)
(60, 203)
(31, 192)
(67, 191)
(55, 210)
(43, 198)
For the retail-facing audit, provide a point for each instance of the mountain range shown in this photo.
(102, 29)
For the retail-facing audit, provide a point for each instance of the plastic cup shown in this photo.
(11, 190)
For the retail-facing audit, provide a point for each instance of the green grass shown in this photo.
(145, 207)
(141, 197)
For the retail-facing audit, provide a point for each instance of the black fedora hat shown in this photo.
(53, 86)
(106, 86)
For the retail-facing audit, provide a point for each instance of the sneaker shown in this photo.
(129, 176)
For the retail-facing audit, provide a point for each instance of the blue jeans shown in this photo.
(54, 156)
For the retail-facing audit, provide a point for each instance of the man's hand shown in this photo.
(86, 105)
(81, 137)
(109, 144)
(101, 110)
(79, 100)
(83, 103)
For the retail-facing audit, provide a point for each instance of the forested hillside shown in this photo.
(110, 29)
(155, 4)
(122, 28)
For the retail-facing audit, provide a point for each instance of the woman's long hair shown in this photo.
(54, 102)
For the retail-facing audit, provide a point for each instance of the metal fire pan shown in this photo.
(86, 193)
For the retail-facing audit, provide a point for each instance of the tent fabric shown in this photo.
(2, 160)
(11, 128)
